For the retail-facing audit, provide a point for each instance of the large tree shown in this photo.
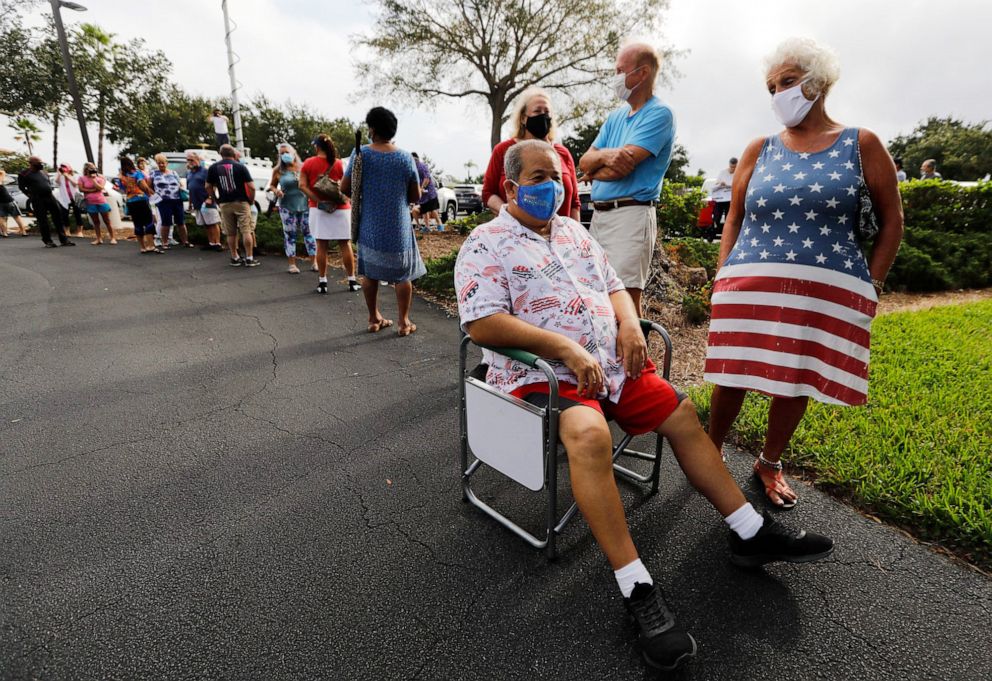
(963, 151)
(493, 50)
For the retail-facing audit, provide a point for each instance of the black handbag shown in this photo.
(866, 228)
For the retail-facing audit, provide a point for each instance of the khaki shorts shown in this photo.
(236, 218)
(628, 235)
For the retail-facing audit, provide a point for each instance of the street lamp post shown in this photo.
(57, 5)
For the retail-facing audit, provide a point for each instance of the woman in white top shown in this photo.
(65, 183)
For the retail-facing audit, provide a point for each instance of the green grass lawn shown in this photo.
(920, 453)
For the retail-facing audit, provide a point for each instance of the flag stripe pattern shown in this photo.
(793, 303)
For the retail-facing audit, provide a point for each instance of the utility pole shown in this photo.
(57, 5)
(239, 137)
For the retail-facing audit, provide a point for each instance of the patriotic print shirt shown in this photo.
(560, 284)
(793, 303)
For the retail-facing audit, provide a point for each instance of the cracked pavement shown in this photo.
(208, 472)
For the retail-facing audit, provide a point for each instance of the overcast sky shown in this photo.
(901, 62)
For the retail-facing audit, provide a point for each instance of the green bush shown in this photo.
(440, 277)
(694, 253)
(696, 306)
(268, 234)
(466, 224)
(678, 210)
(948, 237)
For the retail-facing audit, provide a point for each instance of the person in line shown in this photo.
(293, 207)
(65, 184)
(235, 192)
(201, 205)
(136, 191)
(721, 195)
(35, 183)
(928, 170)
(429, 207)
(329, 218)
(142, 164)
(900, 173)
(533, 119)
(627, 163)
(537, 281)
(9, 209)
(219, 120)
(168, 188)
(794, 295)
(91, 186)
(387, 248)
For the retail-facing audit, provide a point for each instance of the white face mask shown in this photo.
(620, 88)
(791, 106)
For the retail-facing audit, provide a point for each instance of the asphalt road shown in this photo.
(209, 472)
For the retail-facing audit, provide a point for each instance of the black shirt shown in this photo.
(230, 178)
(35, 183)
(5, 196)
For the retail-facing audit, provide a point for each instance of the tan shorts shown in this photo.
(628, 235)
(236, 218)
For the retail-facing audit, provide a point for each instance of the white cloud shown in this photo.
(901, 61)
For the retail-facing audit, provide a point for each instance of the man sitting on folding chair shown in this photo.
(536, 281)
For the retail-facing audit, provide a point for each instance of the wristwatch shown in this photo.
(879, 284)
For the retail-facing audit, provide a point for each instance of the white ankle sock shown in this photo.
(631, 574)
(322, 280)
(352, 279)
(745, 521)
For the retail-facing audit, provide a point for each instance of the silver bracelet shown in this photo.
(777, 465)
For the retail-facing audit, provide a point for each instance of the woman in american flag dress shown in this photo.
(795, 295)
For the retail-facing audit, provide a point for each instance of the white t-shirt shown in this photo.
(721, 193)
(220, 124)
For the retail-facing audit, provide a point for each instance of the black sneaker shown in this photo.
(663, 643)
(252, 262)
(354, 286)
(68, 243)
(321, 287)
(776, 542)
(217, 247)
(51, 244)
(237, 262)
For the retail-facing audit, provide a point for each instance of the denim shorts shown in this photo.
(171, 211)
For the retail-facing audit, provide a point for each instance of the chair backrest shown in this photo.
(506, 433)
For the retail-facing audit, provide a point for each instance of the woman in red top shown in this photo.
(532, 120)
(328, 222)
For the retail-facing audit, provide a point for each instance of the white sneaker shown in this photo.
(293, 269)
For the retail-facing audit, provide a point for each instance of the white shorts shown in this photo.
(628, 235)
(210, 216)
(334, 226)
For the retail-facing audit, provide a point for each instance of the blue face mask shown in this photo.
(286, 157)
(540, 201)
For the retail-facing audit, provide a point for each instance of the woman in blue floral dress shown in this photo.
(387, 249)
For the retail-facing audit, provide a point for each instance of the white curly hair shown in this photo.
(818, 62)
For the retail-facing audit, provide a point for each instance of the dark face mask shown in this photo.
(539, 126)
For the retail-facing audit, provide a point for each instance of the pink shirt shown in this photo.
(562, 284)
(87, 185)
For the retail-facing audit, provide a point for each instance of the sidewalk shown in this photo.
(208, 471)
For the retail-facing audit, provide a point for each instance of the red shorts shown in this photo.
(645, 402)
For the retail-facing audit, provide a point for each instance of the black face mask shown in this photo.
(539, 126)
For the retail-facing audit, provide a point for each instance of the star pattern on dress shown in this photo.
(793, 228)
(765, 228)
(761, 201)
(778, 215)
(835, 176)
(799, 176)
(849, 141)
(795, 200)
(754, 242)
(820, 259)
(818, 165)
(851, 191)
(832, 203)
(834, 154)
(778, 241)
(825, 231)
(769, 177)
(842, 219)
(779, 188)
(807, 243)
(791, 255)
(777, 157)
(837, 247)
(848, 264)
(815, 187)
(804, 155)
(786, 166)
(811, 215)
(849, 165)
(764, 254)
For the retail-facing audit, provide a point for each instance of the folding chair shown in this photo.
(520, 440)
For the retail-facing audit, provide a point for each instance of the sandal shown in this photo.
(383, 323)
(406, 330)
(775, 484)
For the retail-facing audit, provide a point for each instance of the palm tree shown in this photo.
(26, 131)
(469, 165)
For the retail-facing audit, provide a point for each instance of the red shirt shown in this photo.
(492, 183)
(314, 167)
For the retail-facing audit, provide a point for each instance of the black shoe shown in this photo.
(252, 262)
(354, 286)
(237, 262)
(664, 644)
(206, 247)
(217, 247)
(68, 243)
(321, 287)
(51, 244)
(776, 542)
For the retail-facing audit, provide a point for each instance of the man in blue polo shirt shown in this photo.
(627, 162)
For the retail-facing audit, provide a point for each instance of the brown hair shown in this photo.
(324, 142)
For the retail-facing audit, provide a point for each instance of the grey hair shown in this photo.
(930, 163)
(289, 147)
(513, 162)
(228, 151)
(818, 62)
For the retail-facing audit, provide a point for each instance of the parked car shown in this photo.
(114, 198)
(585, 204)
(259, 168)
(469, 197)
(448, 202)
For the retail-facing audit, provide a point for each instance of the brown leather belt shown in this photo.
(621, 203)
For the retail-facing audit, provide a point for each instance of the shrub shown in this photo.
(268, 233)
(678, 210)
(440, 277)
(696, 307)
(466, 224)
(694, 253)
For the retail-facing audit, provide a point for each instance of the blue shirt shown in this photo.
(196, 181)
(651, 128)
